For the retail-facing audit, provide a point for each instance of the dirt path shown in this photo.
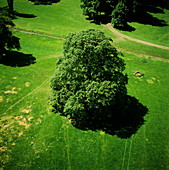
(133, 39)
(143, 55)
(37, 33)
(111, 29)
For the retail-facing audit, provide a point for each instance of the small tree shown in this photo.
(95, 8)
(88, 81)
(119, 16)
(7, 40)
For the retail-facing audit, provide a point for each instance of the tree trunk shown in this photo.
(10, 5)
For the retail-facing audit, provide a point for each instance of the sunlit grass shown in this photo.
(32, 137)
(154, 34)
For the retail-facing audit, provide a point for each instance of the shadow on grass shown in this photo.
(148, 19)
(17, 59)
(44, 2)
(15, 14)
(23, 15)
(143, 16)
(115, 121)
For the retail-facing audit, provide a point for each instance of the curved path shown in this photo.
(133, 39)
(37, 33)
(112, 30)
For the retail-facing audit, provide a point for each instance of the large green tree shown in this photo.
(7, 40)
(89, 79)
(94, 8)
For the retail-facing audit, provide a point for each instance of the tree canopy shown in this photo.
(119, 12)
(89, 79)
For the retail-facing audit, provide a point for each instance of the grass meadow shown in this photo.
(32, 137)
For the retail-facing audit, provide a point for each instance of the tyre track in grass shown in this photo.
(134, 39)
(66, 139)
(110, 28)
(37, 33)
(33, 91)
(129, 157)
(124, 154)
(120, 49)
(143, 55)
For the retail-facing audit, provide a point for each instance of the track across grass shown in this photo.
(32, 137)
(134, 39)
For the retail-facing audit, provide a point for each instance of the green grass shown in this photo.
(59, 19)
(40, 139)
(138, 48)
(66, 16)
(154, 34)
(32, 137)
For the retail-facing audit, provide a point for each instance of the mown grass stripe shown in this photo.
(129, 157)
(124, 155)
(66, 139)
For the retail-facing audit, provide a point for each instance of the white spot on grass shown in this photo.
(153, 78)
(10, 91)
(27, 84)
(2, 149)
(30, 118)
(26, 111)
(20, 134)
(150, 81)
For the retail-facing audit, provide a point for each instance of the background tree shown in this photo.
(89, 81)
(119, 16)
(124, 11)
(7, 40)
(96, 8)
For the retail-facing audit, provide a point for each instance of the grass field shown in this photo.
(148, 32)
(32, 137)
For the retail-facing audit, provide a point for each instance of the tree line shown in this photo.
(119, 11)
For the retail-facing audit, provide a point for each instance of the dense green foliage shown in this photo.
(7, 40)
(119, 18)
(94, 8)
(89, 79)
(120, 12)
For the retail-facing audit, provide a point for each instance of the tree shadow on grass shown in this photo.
(44, 2)
(115, 121)
(17, 59)
(23, 15)
(15, 14)
(148, 19)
